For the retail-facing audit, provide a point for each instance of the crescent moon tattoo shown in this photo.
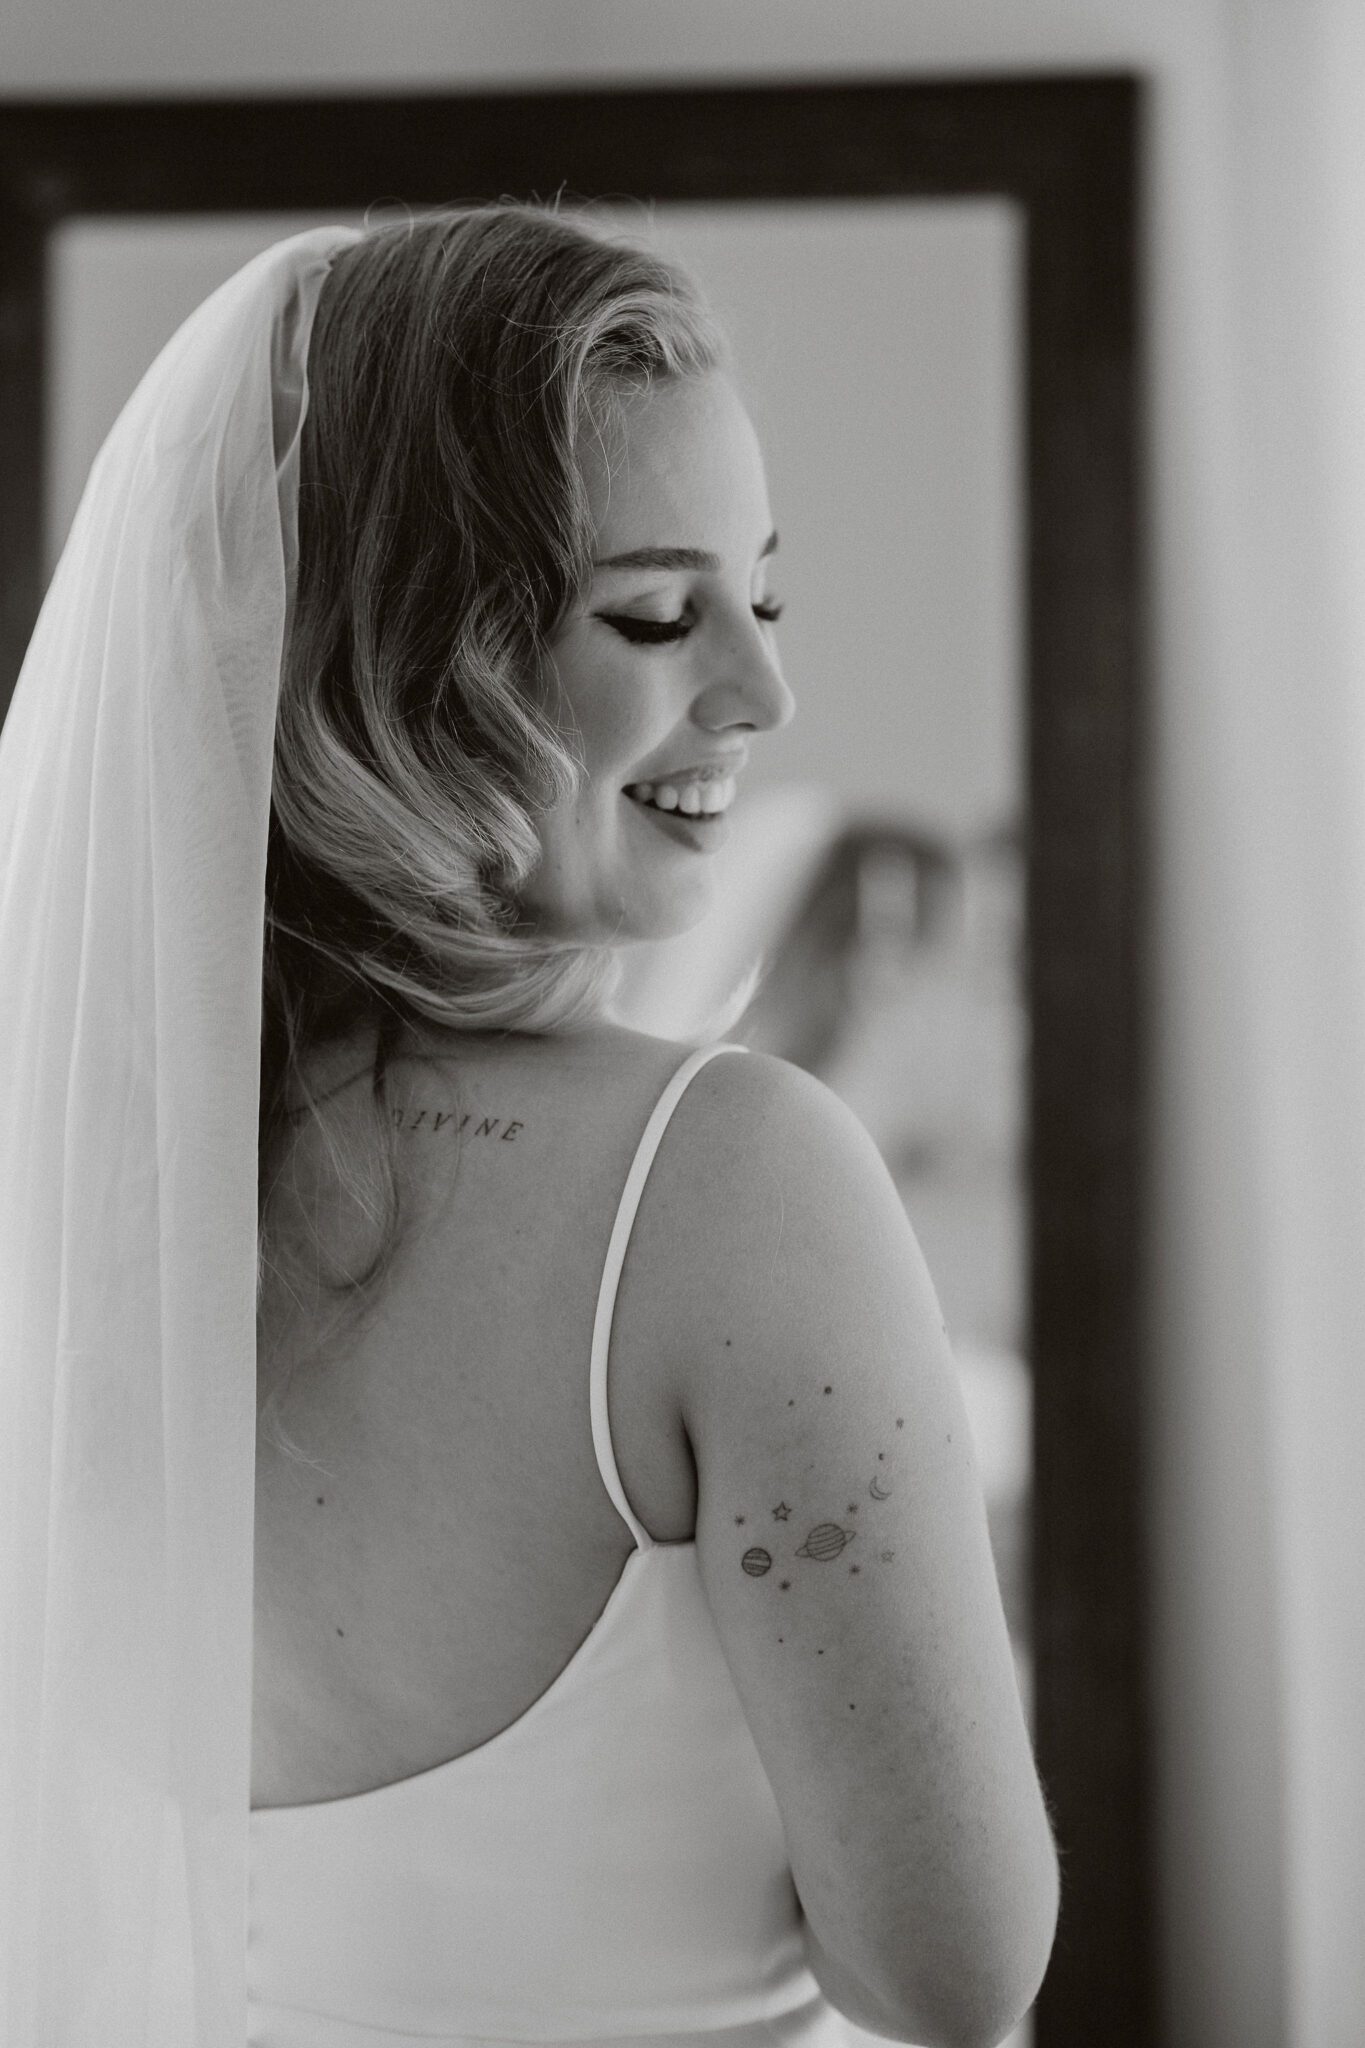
(878, 1492)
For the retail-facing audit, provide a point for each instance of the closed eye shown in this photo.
(653, 632)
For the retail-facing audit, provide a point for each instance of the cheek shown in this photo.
(618, 709)
(619, 725)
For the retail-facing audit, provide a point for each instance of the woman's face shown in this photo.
(667, 670)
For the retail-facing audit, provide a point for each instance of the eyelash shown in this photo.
(653, 632)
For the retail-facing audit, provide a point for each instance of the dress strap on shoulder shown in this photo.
(611, 1276)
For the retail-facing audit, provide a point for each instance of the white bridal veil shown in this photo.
(135, 769)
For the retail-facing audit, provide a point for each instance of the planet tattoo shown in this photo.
(825, 1541)
(756, 1561)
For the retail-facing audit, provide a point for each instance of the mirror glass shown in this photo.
(873, 866)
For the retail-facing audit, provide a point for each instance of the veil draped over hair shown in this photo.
(135, 774)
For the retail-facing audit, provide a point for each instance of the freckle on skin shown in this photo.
(319, 1500)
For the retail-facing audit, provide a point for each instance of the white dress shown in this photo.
(609, 1868)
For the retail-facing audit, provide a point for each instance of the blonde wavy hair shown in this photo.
(444, 533)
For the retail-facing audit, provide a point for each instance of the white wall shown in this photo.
(1221, 1796)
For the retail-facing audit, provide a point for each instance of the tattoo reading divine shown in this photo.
(503, 1128)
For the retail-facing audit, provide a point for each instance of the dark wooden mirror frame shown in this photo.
(1065, 149)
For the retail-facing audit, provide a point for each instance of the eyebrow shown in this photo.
(673, 558)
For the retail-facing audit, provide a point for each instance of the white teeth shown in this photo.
(694, 799)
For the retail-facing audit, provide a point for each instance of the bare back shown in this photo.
(427, 1576)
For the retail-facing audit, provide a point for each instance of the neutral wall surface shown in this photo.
(1222, 1823)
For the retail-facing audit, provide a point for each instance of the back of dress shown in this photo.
(609, 1868)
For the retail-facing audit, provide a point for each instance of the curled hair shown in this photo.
(444, 534)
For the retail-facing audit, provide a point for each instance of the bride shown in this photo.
(569, 1616)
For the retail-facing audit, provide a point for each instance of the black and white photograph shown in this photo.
(682, 1024)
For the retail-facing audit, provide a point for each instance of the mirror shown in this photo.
(939, 861)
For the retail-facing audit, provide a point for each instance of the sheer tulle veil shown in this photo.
(135, 768)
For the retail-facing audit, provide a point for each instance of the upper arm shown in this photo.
(843, 1548)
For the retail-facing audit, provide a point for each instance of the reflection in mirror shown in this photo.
(872, 880)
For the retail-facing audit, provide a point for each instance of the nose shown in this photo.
(750, 688)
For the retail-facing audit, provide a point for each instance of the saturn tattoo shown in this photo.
(825, 1541)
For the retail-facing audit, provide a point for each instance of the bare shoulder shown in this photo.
(793, 1268)
(843, 1548)
(763, 1169)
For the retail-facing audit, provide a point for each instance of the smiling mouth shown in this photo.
(696, 829)
(702, 794)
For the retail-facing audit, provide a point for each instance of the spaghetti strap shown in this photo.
(611, 1276)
